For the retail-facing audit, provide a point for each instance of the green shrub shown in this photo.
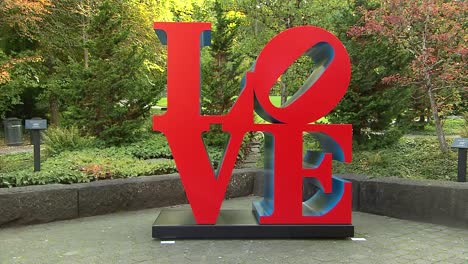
(59, 139)
(73, 161)
(216, 137)
(381, 140)
(411, 157)
(52, 171)
(84, 166)
(15, 162)
(115, 163)
(153, 147)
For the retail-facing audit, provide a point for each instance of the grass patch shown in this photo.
(275, 100)
(451, 126)
(162, 102)
(17, 161)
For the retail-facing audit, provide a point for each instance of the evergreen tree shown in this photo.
(371, 105)
(111, 95)
(222, 67)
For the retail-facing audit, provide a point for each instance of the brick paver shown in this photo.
(126, 238)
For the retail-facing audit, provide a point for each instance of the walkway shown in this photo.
(126, 238)
(15, 149)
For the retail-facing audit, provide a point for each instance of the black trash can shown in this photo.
(13, 131)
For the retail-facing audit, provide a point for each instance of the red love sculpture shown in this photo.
(183, 126)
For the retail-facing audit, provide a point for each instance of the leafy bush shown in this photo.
(54, 170)
(59, 139)
(216, 137)
(74, 162)
(411, 157)
(15, 162)
(84, 166)
(379, 140)
(153, 147)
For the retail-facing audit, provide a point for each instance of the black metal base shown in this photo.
(180, 223)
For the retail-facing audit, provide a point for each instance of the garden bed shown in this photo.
(149, 157)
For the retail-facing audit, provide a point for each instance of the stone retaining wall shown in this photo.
(41, 204)
(438, 202)
(428, 201)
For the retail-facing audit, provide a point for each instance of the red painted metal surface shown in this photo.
(183, 124)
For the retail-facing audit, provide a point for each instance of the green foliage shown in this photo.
(70, 165)
(59, 139)
(376, 140)
(162, 102)
(371, 105)
(410, 157)
(216, 142)
(15, 162)
(216, 155)
(452, 126)
(17, 75)
(152, 148)
(81, 166)
(222, 66)
(464, 129)
(217, 150)
(215, 137)
(116, 90)
(19, 171)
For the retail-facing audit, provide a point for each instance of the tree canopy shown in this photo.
(97, 64)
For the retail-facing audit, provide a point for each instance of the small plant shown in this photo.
(376, 158)
(59, 139)
(154, 147)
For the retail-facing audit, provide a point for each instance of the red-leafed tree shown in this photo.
(434, 31)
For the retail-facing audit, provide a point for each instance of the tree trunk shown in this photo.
(438, 124)
(86, 58)
(284, 94)
(85, 22)
(429, 88)
(54, 110)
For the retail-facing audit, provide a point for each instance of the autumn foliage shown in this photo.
(434, 31)
(23, 14)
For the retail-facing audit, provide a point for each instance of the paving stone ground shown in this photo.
(15, 149)
(126, 238)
